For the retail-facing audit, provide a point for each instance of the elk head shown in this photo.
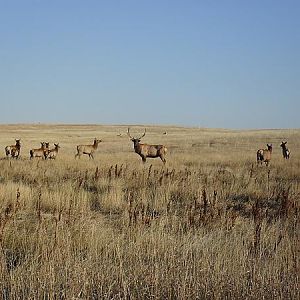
(136, 141)
(96, 141)
(270, 147)
(283, 144)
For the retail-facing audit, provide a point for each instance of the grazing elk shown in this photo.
(145, 150)
(52, 153)
(264, 155)
(13, 150)
(88, 149)
(40, 152)
(285, 151)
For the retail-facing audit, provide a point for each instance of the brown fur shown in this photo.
(264, 155)
(148, 151)
(285, 150)
(53, 152)
(88, 149)
(40, 152)
(13, 150)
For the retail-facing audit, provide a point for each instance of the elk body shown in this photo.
(148, 151)
(40, 152)
(13, 150)
(52, 153)
(264, 155)
(88, 149)
(285, 151)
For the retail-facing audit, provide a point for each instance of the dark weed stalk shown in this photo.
(38, 208)
(257, 218)
(119, 173)
(96, 176)
(205, 202)
(110, 173)
(149, 172)
(268, 183)
(116, 170)
(285, 205)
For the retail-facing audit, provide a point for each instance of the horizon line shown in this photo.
(143, 125)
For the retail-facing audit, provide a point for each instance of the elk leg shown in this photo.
(163, 159)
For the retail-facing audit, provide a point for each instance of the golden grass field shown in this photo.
(210, 224)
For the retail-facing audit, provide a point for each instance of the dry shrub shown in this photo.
(209, 225)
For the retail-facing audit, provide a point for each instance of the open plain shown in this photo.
(210, 224)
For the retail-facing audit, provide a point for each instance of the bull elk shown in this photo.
(13, 150)
(145, 150)
(285, 151)
(52, 153)
(40, 152)
(264, 155)
(88, 149)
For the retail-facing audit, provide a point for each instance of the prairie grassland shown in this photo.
(211, 224)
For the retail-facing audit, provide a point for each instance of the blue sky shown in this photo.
(229, 64)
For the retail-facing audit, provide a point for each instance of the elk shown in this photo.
(88, 149)
(46, 149)
(145, 150)
(264, 155)
(40, 152)
(285, 151)
(52, 153)
(13, 150)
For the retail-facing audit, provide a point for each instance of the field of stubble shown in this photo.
(208, 225)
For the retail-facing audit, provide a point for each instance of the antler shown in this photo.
(143, 134)
(129, 134)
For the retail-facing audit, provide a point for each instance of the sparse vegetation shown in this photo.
(210, 224)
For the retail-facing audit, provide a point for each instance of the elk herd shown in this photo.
(44, 152)
(143, 150)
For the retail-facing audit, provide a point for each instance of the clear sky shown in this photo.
(230, 64)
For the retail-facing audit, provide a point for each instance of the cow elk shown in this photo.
(148, 151)
(40, 152)
(285, 151)
(88, 149)
(52, 153)
(264, 155)
(13, 150)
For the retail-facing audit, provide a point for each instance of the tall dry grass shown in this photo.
(209, 225)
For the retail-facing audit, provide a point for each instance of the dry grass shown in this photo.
(209, 225)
